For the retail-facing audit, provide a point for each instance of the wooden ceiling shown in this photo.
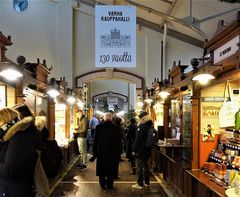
(192, 21)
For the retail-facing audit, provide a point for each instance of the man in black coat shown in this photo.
(106, 148)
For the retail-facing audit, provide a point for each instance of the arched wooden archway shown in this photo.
(110, 73)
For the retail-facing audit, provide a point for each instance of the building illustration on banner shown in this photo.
(115, 40)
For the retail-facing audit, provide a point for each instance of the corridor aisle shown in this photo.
(84, 183)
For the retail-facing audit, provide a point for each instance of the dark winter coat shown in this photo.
(130, 138)
(106, 148)
(17, 159)
(139, 148)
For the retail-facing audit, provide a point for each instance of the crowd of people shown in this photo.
(21, 132)
(110, 139)
(21, 135)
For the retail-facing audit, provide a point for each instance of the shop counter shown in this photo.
(199, 184)
(171, 164)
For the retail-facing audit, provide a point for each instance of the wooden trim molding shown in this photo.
(110, 73)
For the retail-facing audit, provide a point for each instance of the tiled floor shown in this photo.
(84, 183)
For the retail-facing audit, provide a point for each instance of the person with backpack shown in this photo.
(141, 151)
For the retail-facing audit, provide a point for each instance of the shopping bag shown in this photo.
(40, 178)
(227, 110)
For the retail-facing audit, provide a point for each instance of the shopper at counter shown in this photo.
(106, 148)
(141, 152)
(19, 139)
(81, 133)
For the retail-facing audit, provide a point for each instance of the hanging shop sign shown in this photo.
(212, 99)
(115, 36)
(226, 50)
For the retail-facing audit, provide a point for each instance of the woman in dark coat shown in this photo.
(106, 148)
(142, 153)
(19, 141)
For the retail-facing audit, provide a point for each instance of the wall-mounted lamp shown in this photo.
(164, 94)
(80, 104)
(71, 99)
(139, 101)
(54, 88)
(9, 71)
(204, 76)
(148, 100)
(163, 85)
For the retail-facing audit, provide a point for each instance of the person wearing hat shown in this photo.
(141, 152)
(19, 140)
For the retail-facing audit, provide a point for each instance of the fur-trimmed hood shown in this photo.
(145, 119)
(19, 126)
(40, 122)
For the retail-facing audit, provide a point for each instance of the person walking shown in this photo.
(107, 148)
(81, 132)
(92, 124)
(19, 140)
(130, 139)
(141, 152)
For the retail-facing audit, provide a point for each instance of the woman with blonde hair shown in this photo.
(19, 140)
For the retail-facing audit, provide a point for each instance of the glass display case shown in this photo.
(175, 117)
(60, 124)
(187, 117)
(186, 126)
(159, 111)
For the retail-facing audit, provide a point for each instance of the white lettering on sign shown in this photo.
(226, 50)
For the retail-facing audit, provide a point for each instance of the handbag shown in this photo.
(40, 178)
(227, 110)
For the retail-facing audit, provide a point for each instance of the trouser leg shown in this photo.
(139, 163)
(110, 181)
(82, 143)
(146, 171)
(102, 181)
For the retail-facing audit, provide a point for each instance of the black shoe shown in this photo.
(110, 187)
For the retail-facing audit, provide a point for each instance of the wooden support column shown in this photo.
(195, 127)
(67, 127)
(51, 118)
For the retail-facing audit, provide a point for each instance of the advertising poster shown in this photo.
(115, 36)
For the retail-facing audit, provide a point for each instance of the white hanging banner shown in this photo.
(115, 36)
